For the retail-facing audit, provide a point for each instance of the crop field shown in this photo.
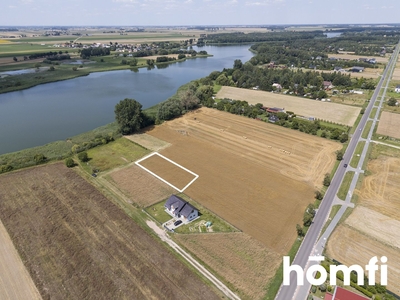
(140, 186)
(15, 281)
(76, 244)
(344, 114)
(396, 72)
(389, 124)
(257, 176)
(240, 259)
(147, 141)
(372, 228)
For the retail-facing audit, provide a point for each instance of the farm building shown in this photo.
(328, 85)
(181, 209)
(397, 89)
(273, 119)
(357, 69)
(342, 294)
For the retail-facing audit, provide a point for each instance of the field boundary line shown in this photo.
(162, 179)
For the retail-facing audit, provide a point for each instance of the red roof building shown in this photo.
(342, 294)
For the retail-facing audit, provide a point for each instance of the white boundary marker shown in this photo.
(163, 180)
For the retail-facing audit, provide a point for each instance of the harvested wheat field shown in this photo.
(168, 171)
(147, 141)
(140, 186)
(396, 71)
(373, 228)
(77, 245)
(350, 246)
(380, 191)
(389, 124)
(257, 176)
(244, 262)
(343, 114)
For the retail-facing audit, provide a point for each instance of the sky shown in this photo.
(196, 12)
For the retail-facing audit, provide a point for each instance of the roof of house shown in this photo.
(398, 86)
(342, 294)
(327, 83)
(176, 201)
(357, 68)
(181, 206)
(187, 209)
(328, 296)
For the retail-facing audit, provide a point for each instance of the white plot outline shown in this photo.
(162, 179)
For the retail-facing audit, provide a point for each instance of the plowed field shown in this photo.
(77, 245)
(257, 176)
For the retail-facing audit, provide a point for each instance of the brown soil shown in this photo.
(173, 174)
(140, 186)
(15, 281)
(257, 176)
(389, 124)
(343, 114)
(77, 245)
(240, 259)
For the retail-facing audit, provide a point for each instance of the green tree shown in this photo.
(237, 64)
(52, 68)
(343, 137)
(299, 230)
(181, 56)
(339, 155)
(74, 69)
(83, 156)
(69, 162)
(39, 158)
(318, 195)
(327, 180)
(15, 59)
(392, 101)
(133, 62)
(128, 114)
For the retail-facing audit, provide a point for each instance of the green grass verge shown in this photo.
(373, 112)
(157, 211)
(332, 214)
(275, 282)
(114, 154)
(367, 128)
(344, 188)
(357, 154)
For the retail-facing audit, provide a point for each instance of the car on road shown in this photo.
(178, 222)
(345, 165)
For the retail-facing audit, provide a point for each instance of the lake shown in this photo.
(56, 111)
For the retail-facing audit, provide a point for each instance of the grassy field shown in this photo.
(344, 188)
(373, 112)
(344, 114)
(77, 244)
(114, 154)
(357, 154)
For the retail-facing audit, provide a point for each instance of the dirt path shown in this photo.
(164, 237)
(15, 282)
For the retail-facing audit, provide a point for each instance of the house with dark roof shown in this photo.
(397, 89)
(273, 119)
(357, 69)
(342, 294)
(327, 85)
(181, 209)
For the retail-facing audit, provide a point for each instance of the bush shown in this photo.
(39, 158)
(322, 288)
(83, 156)
(327, 180)
(313, 289)
(69, 162)
(74, 69)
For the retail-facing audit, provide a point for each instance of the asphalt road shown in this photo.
(308, 247)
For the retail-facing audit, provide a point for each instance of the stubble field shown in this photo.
(373, 228)
(77, 245)
(343, 114)
(259, 177)
(243, 261)
(389, 124)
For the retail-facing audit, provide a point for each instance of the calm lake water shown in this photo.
(56, 111)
